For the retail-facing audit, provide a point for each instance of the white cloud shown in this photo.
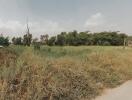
(10, 27)
(45, 27)
(99, 22)
(95, 20)
(16, 28)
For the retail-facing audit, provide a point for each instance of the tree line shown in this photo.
(73, 38)
(86, 38)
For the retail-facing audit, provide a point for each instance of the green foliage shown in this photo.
(17, 41)
(37, 45)
(72, 38)
(52, 41)
(56, 51)
(75, 38)
(61, 39)
(27, 39)
(4, 41)
(85, 38)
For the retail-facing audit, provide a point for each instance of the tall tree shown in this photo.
(44, 39)
(27, 38)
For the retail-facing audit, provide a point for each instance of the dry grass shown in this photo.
(62, 73)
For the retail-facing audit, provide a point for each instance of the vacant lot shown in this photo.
(62, 73)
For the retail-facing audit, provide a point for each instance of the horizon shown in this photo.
(54, 16)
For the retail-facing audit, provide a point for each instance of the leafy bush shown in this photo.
(4, 41)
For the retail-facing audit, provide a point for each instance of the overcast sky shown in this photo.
(54, 16)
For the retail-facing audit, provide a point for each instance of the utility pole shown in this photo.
(28, 30)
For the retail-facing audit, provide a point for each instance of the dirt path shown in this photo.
(124, 92)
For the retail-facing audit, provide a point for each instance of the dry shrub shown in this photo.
(110, 68)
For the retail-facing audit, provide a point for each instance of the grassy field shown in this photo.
(62, 73)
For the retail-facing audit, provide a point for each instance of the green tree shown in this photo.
(44, 39)
(83, 38)
(17, 41)
(52, 41)
(27, 39)
(72, 38)
(61, 39)
(4, 41)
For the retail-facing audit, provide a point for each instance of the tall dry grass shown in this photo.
(62, 73)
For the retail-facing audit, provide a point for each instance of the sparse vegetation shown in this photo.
(62, 73)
